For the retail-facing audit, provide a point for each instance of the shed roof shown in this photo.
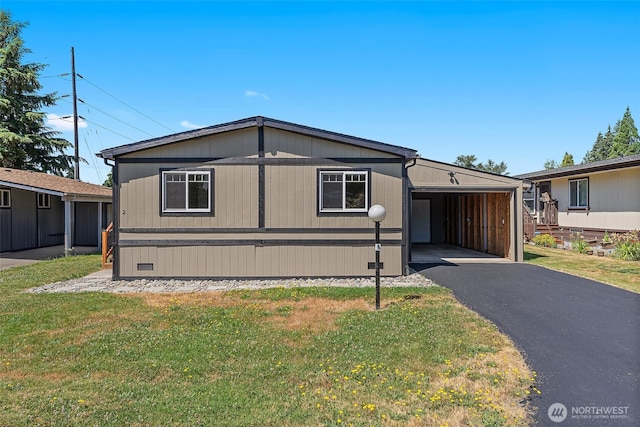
(599, 166)
(257, 121)
(39, 181)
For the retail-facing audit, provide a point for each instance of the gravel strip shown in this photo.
(99, 282)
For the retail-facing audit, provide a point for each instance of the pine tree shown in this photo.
(493, 167)
(466, 161)
(567, 160)
(622, 141)
(25, 141)
(625, 141)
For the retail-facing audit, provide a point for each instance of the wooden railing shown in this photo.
(107, 247)
(529, 223)
(550, 211)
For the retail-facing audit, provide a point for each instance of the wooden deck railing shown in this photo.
(107, 247)
(529, 223)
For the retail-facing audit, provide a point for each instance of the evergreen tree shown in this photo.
(567, 160)
(594, 154)
(25, 141)
(550, 164)
(493, 167)
(625, 141)
(466, 161)
(622, 141)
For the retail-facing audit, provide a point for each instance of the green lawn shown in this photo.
(284, 356)
(623, 274)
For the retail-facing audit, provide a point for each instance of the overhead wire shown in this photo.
(115, 118)
(107, 129)
(123, 103)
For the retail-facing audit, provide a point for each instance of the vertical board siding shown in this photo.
(284, 144)
(234, 199)
(250, 261)
(292, 197)
(239, 143)
(473, 233)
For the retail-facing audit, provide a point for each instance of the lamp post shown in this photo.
(377, 213)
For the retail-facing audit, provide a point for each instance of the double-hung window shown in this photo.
(188, 191)
(5, 199)
(44, 201)
(344, 191)
(579, 193)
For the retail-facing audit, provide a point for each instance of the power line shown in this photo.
(107, 129)
(115, 118)
(124, 103)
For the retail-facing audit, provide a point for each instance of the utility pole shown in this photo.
(76, 169)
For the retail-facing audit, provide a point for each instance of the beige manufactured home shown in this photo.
(265, 198)
(593, 197)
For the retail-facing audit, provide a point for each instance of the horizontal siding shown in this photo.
(614, 201)
(246, 261)
(283, 144)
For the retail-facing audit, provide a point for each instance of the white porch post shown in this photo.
(67, 228)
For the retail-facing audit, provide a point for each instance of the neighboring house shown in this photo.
(38, 210)
(593, 197)
(265, 198)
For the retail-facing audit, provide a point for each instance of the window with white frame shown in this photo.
(579, 193)
(5, 199)
(186, 191)
(344, 191)
(44, 201)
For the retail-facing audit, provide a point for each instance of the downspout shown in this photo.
(406, 224)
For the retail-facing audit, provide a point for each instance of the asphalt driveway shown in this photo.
(581, 337)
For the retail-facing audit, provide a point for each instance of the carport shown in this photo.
(466, 208)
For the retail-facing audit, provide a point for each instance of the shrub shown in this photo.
(627, 246)
(545, 240)
(578, 244)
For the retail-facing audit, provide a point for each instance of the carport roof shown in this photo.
(42, 182)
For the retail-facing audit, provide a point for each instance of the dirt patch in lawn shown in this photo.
(312, 314)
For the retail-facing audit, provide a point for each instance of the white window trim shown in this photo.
(186, 209)
(344, 190)
(46, 198)
(577, 181)
(8, 193)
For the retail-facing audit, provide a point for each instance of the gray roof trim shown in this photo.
(112, 153)
(464, 189)
(581, 169)
(31, 188)
(407, 153)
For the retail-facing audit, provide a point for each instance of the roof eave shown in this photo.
(581, 170)
(112, 153)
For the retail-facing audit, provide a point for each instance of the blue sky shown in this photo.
(519, 82)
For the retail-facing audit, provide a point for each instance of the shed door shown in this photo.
(421, 221)
(24, 232)
(86, 224)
